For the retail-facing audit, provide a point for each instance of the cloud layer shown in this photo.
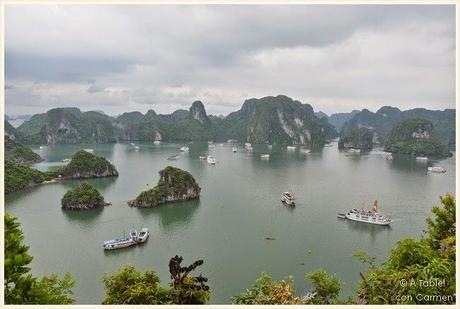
(163, 57)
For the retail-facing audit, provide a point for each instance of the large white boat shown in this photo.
(133, 239)
(288, 198)
(436, 169)
(211, 160)
(265, 156)
(184, 149)
(368, 216)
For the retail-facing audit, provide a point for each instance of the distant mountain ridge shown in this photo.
(382, 121)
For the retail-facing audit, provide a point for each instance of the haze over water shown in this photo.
(239, 206)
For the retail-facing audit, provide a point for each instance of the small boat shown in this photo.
(42, 147)
(290, 148)
(354, 150)
(269, 146)
(184, 149)
(389, 157)
(136, 147)
(265, 156)
(156, 142)
(211, 160)
(143, 235)
(90, 150)
(368, 216)
(305, 150)
(66, 160)
(436, 169)
(423, 159)
(210, 142)
(288, 198)
(203, 157)
(211, 145)
(173, 157)
(133, 234)
(132, 144)
(234, 149)
(231, 141)
(247, 145)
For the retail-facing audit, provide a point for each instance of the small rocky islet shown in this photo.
(175, 185)
(83, 197)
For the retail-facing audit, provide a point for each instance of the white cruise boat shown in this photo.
(353, 150)
(184, 149)
(290, 148)
(136, 147)
(288, 198)
(422, 159)
(234, 149)
(265, 156)
(436, 169)
(305, 150)
(133, 239)
(368, 216)
(157, 142)
(42, 147)
(211, 160)
(269, 146)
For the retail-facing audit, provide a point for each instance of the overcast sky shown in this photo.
(125, 58)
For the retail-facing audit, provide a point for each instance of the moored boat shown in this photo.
(136, 147)
(118, 243)
(265, 156)
(203, 157)
(143, 235)
(173, 157)
(305, 150)
(389, 157)
(291, 148)
(133, 234)
(234, 149)
(157, 142)
(211, 160)
(288, 198)
(421, 159)
(436, 169)
(184, 149)
(354, 150)
(368, 216)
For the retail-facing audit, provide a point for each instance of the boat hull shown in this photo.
(369, 221)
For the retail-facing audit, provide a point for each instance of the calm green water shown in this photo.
(239, 207)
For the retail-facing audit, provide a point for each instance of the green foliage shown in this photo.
(20, 287)
(326, 287)
(87, 165)
(358, 138)
(82, 197)
(401, 139)
(129, 286)
(18, 176)
(174, 183)
(20, 153)
(417, 269)
(266, 291)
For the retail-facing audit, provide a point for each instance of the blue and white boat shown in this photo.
(133, 239)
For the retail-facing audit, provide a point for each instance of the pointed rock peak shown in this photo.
(198, 112)
(151, 112)
(388, 110)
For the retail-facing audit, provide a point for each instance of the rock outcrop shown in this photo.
(20, 153)
(358, 138)
(175, 185)
(87, 165)
(83, 197)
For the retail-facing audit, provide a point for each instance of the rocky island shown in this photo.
(87, 165)
(17, 152)
(357, 138)
(83, 197)
(416, 136)
(19, 177)
(175, 185)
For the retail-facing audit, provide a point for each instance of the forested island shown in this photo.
(84, 196)
(175, 185)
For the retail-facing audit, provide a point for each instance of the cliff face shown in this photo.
(415, 136)
(87, 165)
(83, 197)
(67, 126)
(357, 138)
(175, 185)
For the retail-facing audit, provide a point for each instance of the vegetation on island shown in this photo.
(174, 185)
(416, 136)
(88, 165)
(19, 176)
(357, 138)
(84, 196)
(20, 286)
(17, 152)
(416, 272)
(129, 286)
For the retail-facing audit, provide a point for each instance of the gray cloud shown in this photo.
(336, 57)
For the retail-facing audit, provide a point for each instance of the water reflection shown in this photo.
(84, 218)
(366, 229)
(172, 214)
